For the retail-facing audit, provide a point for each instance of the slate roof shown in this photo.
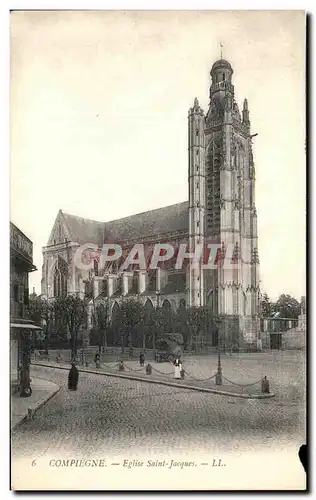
(159, 221)
(84, 230)
(221, 64)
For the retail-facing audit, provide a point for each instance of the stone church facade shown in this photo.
(220, 209)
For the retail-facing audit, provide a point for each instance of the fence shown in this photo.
(277, 325)
(111, 354)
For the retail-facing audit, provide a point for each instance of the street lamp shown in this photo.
(218, 379)
(154, 334)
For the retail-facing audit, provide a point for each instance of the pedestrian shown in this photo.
(141, 359)
(265, 386)
(97, 360)
(177, 368)
(73, 377)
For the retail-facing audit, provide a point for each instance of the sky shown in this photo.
(98, 119)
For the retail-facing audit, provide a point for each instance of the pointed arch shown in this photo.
(115, 310)
(60, 277)
(166, 304)
(149, 304)
(149, 307)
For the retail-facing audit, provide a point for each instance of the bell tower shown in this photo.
(230, 213)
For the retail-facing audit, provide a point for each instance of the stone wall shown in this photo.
(294, 339)
(302, 321)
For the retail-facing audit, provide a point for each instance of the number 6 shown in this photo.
(33, 463)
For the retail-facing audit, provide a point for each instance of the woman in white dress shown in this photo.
(177, 368)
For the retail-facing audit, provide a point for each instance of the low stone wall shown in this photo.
(294, 339)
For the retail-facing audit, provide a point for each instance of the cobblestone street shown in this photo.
(116, 417)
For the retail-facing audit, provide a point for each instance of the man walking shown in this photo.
(141, 359)
(73, 377)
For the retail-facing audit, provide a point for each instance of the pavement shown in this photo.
(119, 419)
(23, 408)
(163, 374)
(242, 372)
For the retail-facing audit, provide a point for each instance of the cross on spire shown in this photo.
(221, 46)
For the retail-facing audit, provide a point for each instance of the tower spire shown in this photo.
(221, 47)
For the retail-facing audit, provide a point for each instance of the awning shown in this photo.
(25, 326)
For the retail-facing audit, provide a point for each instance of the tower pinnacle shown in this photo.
(245, 115)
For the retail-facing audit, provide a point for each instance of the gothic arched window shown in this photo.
(166, 305)
(60, 278)
(57, 286)
(148, 311)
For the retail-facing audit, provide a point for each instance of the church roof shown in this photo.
(160, 221)
(155, 222)
(84, 230)
(221, 64)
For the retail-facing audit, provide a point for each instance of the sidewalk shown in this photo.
(42, 391)
(163, 373)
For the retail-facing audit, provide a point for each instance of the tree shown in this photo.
(198, 319)
(161, 324)
(40, 311)
(35, 309)
(101, 319)
(267, 307)
(287, 306)
(131, 314)
(148, 329)
(181, 324)
(201, 321)
(71, 310)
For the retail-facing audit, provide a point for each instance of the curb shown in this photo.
(32, 411)
(169, 384)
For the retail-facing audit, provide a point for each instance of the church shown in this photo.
(220, 208)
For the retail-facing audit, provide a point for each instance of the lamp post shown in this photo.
(107, 324)
(218, 379)
(154, 334)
